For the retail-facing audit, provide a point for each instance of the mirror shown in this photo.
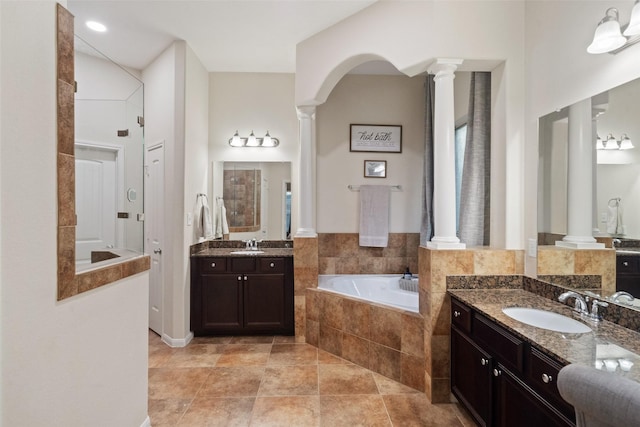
(257, 198)
(616, 171)
(109, 148)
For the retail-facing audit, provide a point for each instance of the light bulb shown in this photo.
(236, 141)
(267, 141)
(633, 29)
(252, 141)
(607, 36)
(625, 142)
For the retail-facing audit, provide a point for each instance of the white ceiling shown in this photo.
(226, 35)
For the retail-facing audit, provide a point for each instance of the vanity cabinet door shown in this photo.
(264, 301)
(221, 303)
(471, 377)
(516, 404)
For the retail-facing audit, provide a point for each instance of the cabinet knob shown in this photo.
(456, 313)
(213, 264)
(483, 361)
(546, 378)
(272, 265)
(497, 372)
(245, 277)
(239, 278)
(625, 263)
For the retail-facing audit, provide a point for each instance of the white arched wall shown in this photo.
(411, 35)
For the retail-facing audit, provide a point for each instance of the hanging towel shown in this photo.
(614, 217)
(222, 226)
(374, 215)
(204, 229)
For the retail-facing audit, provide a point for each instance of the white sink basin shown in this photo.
(546, 320)
(247, 252)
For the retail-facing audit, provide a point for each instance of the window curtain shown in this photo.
(426, 227)
(476, 172)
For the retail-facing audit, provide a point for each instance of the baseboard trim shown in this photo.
(177, 342)
(147, 422)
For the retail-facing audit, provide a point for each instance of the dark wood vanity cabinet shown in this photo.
(242, 295)
(500, 379)
(628, 274)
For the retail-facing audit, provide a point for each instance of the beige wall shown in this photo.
(81, 361)
(258, 102)
(364, 99)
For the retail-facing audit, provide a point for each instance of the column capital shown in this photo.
(306, 112)
(444, 66)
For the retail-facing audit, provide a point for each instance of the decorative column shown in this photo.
(580, 180)
(444, 191)
(307, 191)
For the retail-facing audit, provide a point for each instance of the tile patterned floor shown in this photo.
(272, 381)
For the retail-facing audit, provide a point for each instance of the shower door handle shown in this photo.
(157, 251)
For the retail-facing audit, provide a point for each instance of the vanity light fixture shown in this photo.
(253, 141)
(609, 38)
(612, 144)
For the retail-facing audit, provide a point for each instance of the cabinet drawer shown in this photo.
(461, 316)
(627, 264)
(542, 375)
(213, 265)
(506, 347)
(243, 264)
(271, 265)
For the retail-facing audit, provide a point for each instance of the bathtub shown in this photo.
(377, 288)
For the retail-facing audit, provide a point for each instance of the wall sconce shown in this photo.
(253, 141)
(612, 144)
(608, 36)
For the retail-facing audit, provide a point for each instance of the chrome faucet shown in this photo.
(615, 297)
(615, 243)
(580, 304)
(582, 307)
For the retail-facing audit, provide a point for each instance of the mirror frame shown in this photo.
(71, 283)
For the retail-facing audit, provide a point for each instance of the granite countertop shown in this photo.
(227, 252)
(608, 341)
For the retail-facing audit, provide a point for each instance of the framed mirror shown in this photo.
(256, 197)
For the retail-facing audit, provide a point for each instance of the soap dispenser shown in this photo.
(407, 274)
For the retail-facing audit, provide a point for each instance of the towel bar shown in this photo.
(357, 187)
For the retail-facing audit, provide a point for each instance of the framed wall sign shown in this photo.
(375, 168)
(376, 138)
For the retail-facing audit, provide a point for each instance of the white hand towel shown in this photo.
(374, 215)
(614, 217)
(205, 217)
(222, 226)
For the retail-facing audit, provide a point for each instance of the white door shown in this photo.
(96, 200)
(154, 224)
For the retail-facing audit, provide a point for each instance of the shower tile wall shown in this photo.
(340, 253)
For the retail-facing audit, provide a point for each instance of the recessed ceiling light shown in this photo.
(96, 26)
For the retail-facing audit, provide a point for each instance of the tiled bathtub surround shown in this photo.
(340, 253)
(558, 261)
(385, 340)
